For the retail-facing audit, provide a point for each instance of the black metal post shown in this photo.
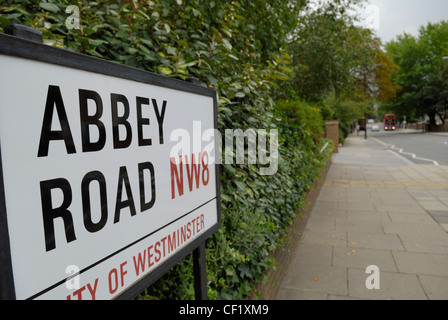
(200, 273)
(365, 115)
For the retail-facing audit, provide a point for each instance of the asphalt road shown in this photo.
(419, 148)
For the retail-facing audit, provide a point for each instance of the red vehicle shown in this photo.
(390, 122)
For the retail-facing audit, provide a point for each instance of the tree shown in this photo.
(387, 90)
(374, 70)
(334, 56)
(423, 72)
(321, 50)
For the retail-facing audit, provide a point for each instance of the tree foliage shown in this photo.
(335, 56)
(320, 49)
(423, 72)
(339, 64)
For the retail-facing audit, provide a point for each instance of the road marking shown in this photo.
(401, 151)
(379, 141)
(413, 155)
(404, 159)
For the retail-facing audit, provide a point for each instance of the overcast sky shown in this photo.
(393, 17)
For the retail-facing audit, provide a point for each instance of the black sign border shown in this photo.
(22, 48)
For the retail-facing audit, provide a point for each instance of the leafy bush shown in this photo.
(347, 111)
(239, 54)
(256, 210)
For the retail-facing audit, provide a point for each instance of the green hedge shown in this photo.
(256, 210)
(239, 54)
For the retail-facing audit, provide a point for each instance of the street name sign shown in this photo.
(93, 203)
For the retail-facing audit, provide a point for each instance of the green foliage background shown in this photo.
(237, 49)
(423, 73)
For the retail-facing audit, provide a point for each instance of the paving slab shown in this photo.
(391, 199)
(439, 216)
(335, 213)
(326, 205)
(361, 258)
(360, 207)
(425, 244)
(317, 278)
(415, 229)
(434, 205)
(374, 241)
(402, 207)
(344, 298)
(331, 194)
(294, 295)
(325, 238)
(313, 254)
(367, 217)
(365, 200)
(393, 286)
(415, 218)
(439, 194)
(422, 263)
(435, 287)
(422, 195)
(419, 247)
(321, 224)
(359, 225)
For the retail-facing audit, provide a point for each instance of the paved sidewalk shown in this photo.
(376, 208)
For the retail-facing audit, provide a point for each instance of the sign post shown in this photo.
(200, 273)
(107, 175)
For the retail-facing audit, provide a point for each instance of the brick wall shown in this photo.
(442, 128)
(332, 133)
